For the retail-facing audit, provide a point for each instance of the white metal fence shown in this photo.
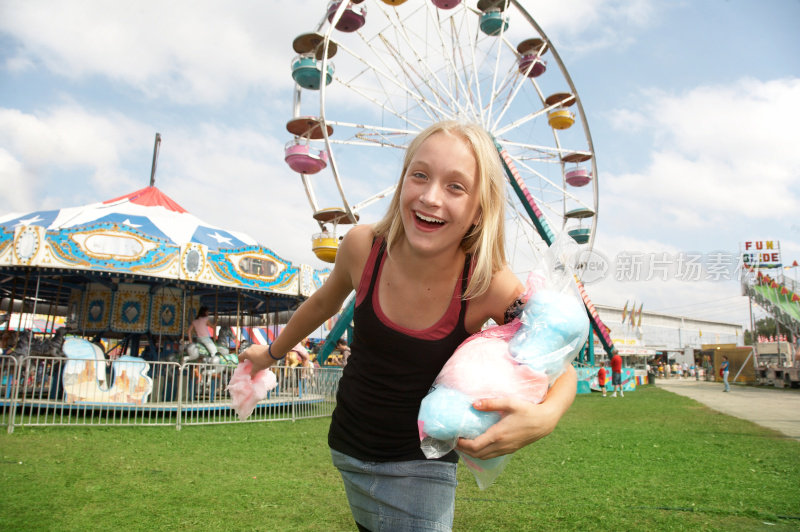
(45, 391)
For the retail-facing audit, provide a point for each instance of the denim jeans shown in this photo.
(399, 496)
(725, 380)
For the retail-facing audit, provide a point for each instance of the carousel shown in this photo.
(126, 276)
(140, 264)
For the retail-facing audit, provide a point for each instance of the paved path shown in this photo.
(769, 407)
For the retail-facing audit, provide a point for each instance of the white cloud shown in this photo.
(69, 138)
(749, 118)
(188, 52)
(207, 52)
(721, 152)
(588, 25)
(17, 186)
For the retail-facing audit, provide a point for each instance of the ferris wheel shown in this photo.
(372, 74)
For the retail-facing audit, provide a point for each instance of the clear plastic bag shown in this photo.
(520, 359)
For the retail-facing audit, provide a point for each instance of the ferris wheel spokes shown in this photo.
(411, 65)
(381, 76)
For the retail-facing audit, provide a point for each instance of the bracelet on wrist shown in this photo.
(273, 357)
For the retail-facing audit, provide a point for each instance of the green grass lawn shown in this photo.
(649, 461)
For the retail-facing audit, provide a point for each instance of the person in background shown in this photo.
(616, 374)
(199, 329)
(725, 372)
(344, 350)
(601, 378)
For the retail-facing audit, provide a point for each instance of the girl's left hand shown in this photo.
(522, 423)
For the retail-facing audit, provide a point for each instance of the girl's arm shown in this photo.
(322, 304)
(503, 291)
(523, 422)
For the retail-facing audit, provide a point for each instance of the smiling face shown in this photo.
(440, 198)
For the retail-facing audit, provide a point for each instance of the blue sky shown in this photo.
(693, 108)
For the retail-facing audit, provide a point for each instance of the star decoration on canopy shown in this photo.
(29, 221)
(219, 238)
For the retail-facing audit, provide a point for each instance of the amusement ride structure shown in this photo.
(778, 295)
(372, 75)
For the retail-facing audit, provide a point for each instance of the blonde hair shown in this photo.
(485, 241)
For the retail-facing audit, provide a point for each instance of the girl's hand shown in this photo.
(259, 356)
(522, 423)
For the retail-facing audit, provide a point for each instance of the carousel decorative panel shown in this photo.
(74, 308)
(28, 243)
(96, 310)
(131, 308)
(165, 312)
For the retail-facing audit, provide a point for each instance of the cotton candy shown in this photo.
(482, 367)
(519, 360)
(247, 391)
(554, 329)
(446, 413)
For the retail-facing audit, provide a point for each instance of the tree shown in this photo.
(766, 327)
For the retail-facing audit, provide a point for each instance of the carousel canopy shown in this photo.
(143, 242)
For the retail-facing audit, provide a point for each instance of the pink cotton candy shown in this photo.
(247, 391)
(481, 368)
(534, 383)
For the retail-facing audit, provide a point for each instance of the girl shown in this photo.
(199, 329)
(428, 275)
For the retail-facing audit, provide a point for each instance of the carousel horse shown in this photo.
(27, 345)
(197, 352)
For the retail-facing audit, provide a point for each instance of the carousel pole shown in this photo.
(266, 319)
(84, 311)
(216, 315)
(24, 295)
(33, 312)
(183, 312)
(50, 315)
(11, 304)
(155, 160)
(159, 302)
(179, 411)
(53, 303)
(238, 322)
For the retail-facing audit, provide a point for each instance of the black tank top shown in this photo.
(389, 372)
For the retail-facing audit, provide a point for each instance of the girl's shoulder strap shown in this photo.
(371, 268)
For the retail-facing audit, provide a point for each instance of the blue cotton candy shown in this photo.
(446, 414)
(554, 328)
